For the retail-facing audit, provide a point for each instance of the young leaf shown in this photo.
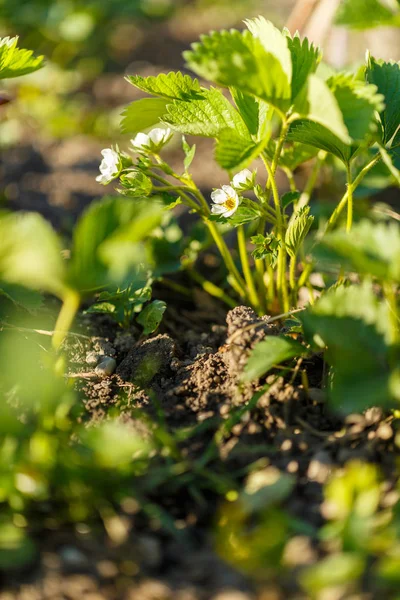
(142, 114)
(238, 59)
(305, 60)
(173, 86)
(30, 253)
(14, 61)
(189, 153)
(273, 350)
(136, 184)
(151, 316)
(298, 228)
(386, 76)
(206, 116)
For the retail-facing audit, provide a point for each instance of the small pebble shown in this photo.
(73, 558)
(106, 367)
(92, 358)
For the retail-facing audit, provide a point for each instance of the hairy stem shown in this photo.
(338, 210)
(349, 199)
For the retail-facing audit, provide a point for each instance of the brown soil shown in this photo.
(192, 377)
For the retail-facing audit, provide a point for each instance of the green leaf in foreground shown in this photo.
(271, 351)
(151, 316)
(305, 60)
(371, 249)
(30, 253)
(356, 330)
(14, 61)
(106, 243)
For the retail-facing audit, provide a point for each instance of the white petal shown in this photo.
(141, 140)
(229, 213)
(242, 177)
(218, 196)
(217, 209)
(157, 135)
(229, 191)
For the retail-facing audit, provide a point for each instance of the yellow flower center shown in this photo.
(229, 203)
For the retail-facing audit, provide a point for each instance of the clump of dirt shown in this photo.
(193, 377)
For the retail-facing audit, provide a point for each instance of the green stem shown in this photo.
(66, 317)
(391, 298)
(292, 272)
(312, 180)
(212, 289)
(349, 199)
(248, 276)
(338, 210)
(227, 258)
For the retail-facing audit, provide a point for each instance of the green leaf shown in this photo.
(142, 114)
(333, 571)
(305, 60)
(296, 153)
(247, 211)
(207, 116)
(21, 297)
(386, 76)
(236, 152)
(297, 230)
(371, 249)
(273, 350)
(273, 41)
(189, 153)
(356, 329)
(266, 247)
(106, 243)
(30, 253)
(337, 116)
(238, 59)
(151, 316)
(363, 14)
(14, 61)
(254, 112)
(174, 85)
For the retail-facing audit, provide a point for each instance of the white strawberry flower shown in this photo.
(8, 41)
(225, 201)
(110, 166)
(244, 180)
(152, 141)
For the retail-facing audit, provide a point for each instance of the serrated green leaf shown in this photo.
(357, 332)
(273, 41)
(255, 113)
(151, 316)
(305, 60)
(296, 153)
(289, 198)
(246, 212)
(142, 114)
(273, 350)
(371, 249)
(238, 59)
(386, 76)
(30, 253)
(297, 230)
(363, 14)
(173, 85)
(235, 152)
(15, 62)
(352, 106)
(207, 116)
